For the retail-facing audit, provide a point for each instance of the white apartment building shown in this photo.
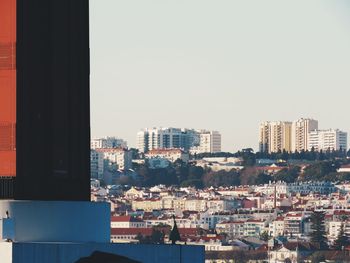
(327, 140)
(108, 142)
(209, 142)
(119, 157)
(186, 139)
(300, 132)
(233, 229)
(161, 138)
(276, 227)
(275, 136)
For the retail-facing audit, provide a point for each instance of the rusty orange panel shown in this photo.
(7, 87)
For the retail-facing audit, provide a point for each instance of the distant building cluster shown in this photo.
(194, 141)
(109, 154)
(299, 135)
(228, 218)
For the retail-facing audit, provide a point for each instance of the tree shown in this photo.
(318, 233)
(342, 240)
(288, 175)
(264, 236)
(221, 178)
(263, 178)
(157, 237)
(174, 234)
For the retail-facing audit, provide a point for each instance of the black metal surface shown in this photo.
(53, 107)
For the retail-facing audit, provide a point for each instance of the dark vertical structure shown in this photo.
(53, 116)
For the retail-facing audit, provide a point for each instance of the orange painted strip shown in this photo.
(7, 87)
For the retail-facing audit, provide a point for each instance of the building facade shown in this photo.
(97, 164)
(108, 142)
(120, 158)
(196, 141)
(327, 140)
(275, 136)
(300, 132)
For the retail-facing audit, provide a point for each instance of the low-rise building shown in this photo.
(127, 222)
(171, 155)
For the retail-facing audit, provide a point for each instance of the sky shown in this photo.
(221, 65)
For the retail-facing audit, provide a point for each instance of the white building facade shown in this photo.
(300, 132)
(327, 140)
(186, 139)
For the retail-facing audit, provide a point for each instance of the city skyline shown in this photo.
(230, 68)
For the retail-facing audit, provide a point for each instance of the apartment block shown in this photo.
(300, 132)
(120, 158)
(96, 164)
(196, 141)
(108, 142)
(275, 136)
(327, 140)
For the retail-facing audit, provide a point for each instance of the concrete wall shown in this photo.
(58, 221)
(69, 253)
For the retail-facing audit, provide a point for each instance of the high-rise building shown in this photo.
(275, 136)
(264, 137)
(209, 142)
(300, 131)
(186, 139)
(163, 138)
(327, 140)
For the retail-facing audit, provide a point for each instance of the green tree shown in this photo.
(157, 237)
(318, 233)
(264, 236)
(221, 178)
(262, 178)
(288, 175)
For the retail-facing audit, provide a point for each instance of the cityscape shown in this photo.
(192, 131)
(288, 202)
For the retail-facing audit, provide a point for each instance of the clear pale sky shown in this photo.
(221, 65)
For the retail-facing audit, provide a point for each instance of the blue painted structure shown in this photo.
(71, 252)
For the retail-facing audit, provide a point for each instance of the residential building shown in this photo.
(209, 142)
(119, 158)
(327, 140)
(127, 222)
(233, 229)
(108, 142)
(147, 205)
(275, 136)
(197, 141)
(97, 164)
(162, 138)
(293, 224)
(300, 131)
(171, 155)
(276, 227)
(253, 228)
